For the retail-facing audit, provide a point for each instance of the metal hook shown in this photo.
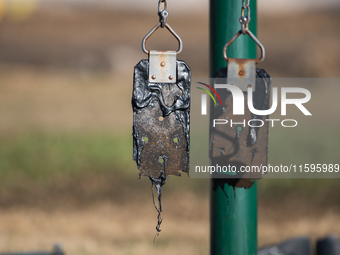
(244, 24)
(244, 20)
(252, 36)
(153, 30)
(162, 13)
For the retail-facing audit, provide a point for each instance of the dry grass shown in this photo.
(59, 101)
(109, 228)
(297, 44)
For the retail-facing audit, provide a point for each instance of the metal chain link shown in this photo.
(245, 19)
(162, 13)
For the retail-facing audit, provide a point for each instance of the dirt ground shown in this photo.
(109, 228)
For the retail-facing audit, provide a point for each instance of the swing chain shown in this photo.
(162, 13)
(244, 20)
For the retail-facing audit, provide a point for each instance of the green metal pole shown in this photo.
(233, 221)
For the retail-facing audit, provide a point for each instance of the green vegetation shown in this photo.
(42, 156)
(95, 166)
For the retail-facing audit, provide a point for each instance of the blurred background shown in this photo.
(66, 169)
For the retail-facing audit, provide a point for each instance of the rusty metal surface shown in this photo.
(161, 122)
(238, 145)
(162, 67)
(242, 73)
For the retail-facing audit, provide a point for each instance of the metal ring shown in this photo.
(165, 5)
(252, 36)
(153, 30)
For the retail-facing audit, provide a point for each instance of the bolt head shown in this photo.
(153, 77)
(243, 19)
(171, 77)
(162, 64)
(165, 13)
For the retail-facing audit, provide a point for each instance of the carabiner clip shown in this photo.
(162, 13)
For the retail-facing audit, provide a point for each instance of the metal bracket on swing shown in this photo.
(161, 104)
(245, 141)
(162, 64)
(161, 113)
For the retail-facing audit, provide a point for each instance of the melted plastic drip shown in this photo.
(253, 154)
(218, 183)
(144, 94)
(238, 134)
(260, 102)
(158, 184)
(137, 145)
(261, 99)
